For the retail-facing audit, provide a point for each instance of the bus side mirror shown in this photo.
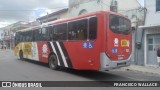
(138, 45)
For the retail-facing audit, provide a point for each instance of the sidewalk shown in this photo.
(144, 69)
(5, 49)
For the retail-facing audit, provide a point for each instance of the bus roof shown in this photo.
(86, 15)
(70, 19)
(28, 29)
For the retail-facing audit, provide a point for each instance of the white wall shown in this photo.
(153, 17)
(75, 9)
(1, 32)
(55, 17)
(63, 15)
(75, 6)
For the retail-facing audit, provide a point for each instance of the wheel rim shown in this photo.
(52, 63)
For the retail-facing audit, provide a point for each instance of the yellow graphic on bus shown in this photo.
(17, 49)
(26, 49)
(124, 43)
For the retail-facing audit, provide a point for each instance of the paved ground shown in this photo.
(12, 69)
(143, 69)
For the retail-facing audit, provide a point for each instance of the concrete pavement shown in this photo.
(143, 69)
(13, 69)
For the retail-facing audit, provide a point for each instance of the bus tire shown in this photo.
(53, 63)
(21, 55)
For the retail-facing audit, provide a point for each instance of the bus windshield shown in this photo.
(119, 24)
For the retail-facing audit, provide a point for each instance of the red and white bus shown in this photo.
(97, 41)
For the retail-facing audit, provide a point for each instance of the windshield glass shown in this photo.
(119, 24)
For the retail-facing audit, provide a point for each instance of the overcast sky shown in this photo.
(23, 10)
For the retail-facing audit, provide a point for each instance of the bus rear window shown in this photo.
(119, 24)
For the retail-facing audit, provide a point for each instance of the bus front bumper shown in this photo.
(107, 64)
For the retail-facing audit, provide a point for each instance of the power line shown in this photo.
(76, 4)
(25, 10)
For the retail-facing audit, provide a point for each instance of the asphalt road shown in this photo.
(13, 69)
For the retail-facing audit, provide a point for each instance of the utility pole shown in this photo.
(47, 16)
(10, 38)
(114, 6)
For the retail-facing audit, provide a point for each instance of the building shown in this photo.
(1, 36)
(6, 39)
(78, 7)
(134, 11)
(148, 36)
(130, 8)
(9, 32)
(63, 13)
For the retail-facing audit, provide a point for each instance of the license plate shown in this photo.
(121, 64)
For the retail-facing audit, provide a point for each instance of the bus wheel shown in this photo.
(21, 55)
(53, 63)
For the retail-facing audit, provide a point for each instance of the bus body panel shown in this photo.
(43, 51)
(123, 51)
(29, 49)
(83, 58)
(76, 56)
(119, 46)
(98, 54)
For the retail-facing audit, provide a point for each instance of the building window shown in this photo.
(83, 12)
(150, 41)
(157, 5)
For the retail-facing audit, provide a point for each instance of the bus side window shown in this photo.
(63, 31)
(49, 33)
(55, 30)
(29, 36)
(82, 27)
(93, 28)
(71, 31)
(33, 36)
(21, 37)
(17, 38)
(24, 36)
(77, 30)
(44, 34)
(60, 32)
(37, 34)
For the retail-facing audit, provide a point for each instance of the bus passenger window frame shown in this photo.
(95, 27)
